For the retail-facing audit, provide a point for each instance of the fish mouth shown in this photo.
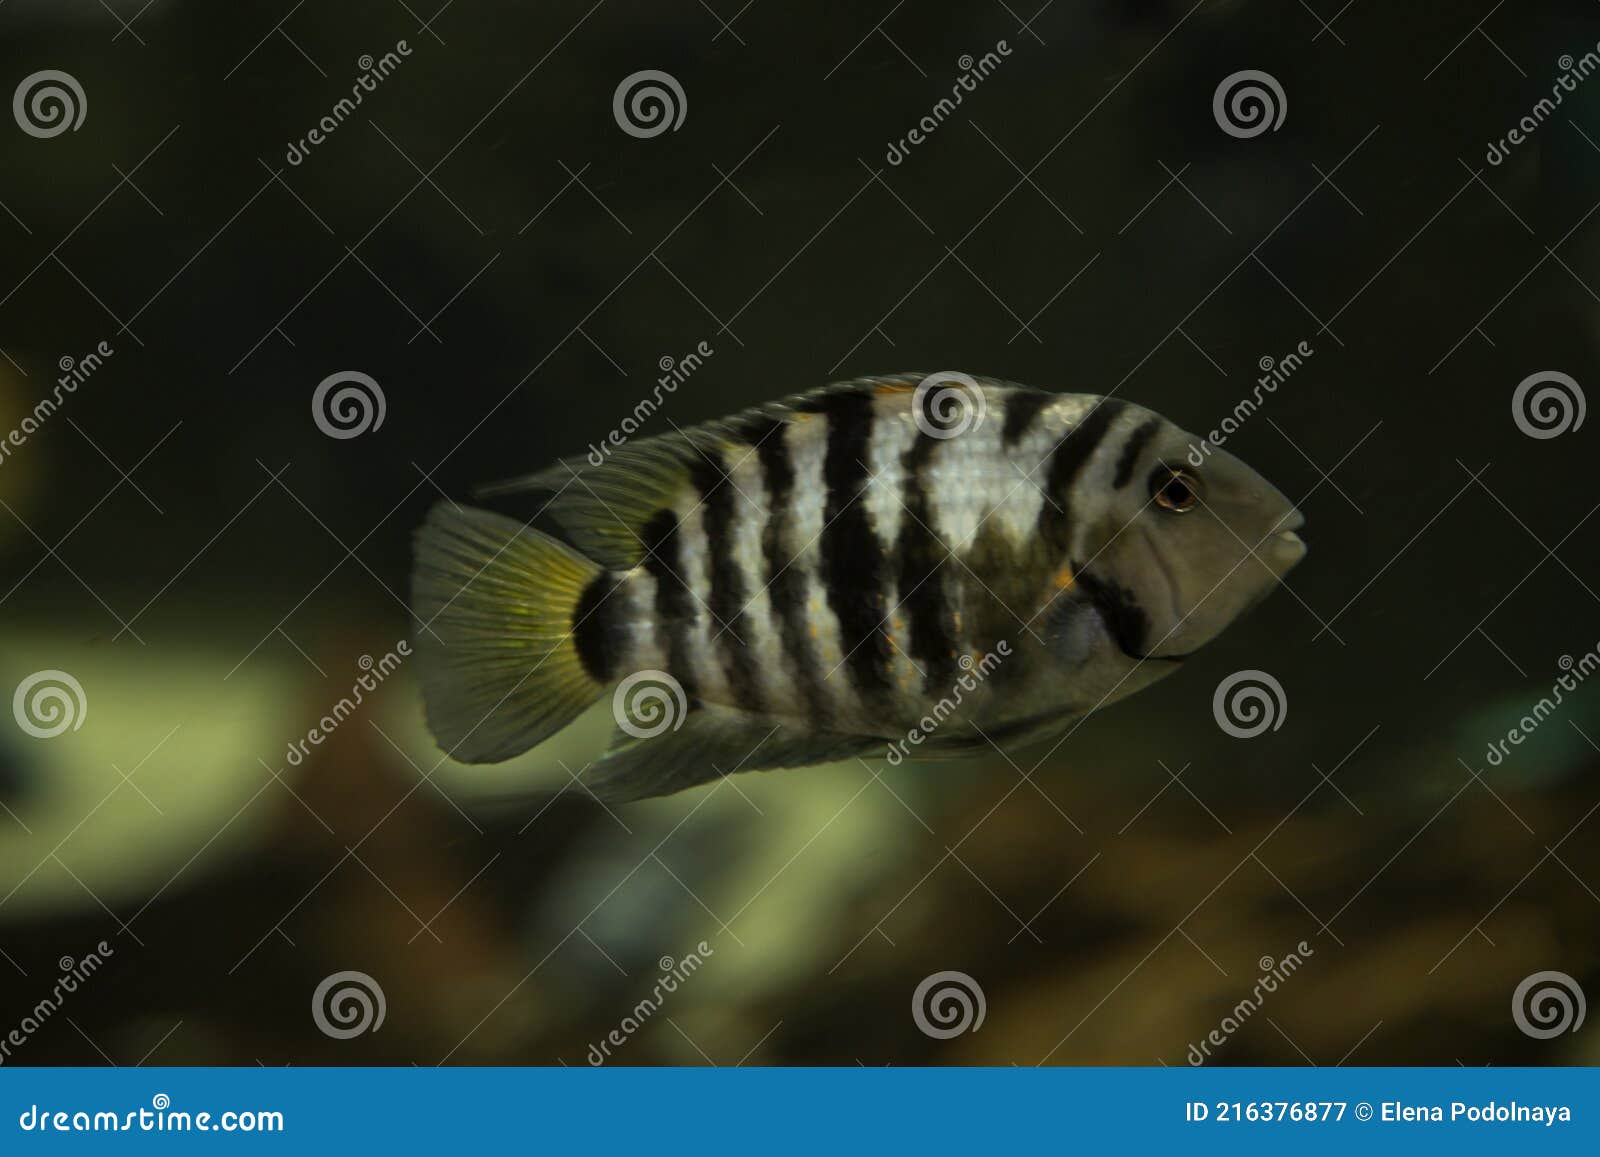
(1155, 658)
(1284, 540)
(1282, 551)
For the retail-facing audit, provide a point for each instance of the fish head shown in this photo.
(1191, 540)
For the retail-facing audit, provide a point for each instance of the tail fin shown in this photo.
(495, 602)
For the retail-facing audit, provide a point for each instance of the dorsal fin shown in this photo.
(604, 509)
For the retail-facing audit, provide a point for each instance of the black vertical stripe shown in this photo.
(785, 588)
(854, 571)
(709, 475)
(675, 605)
(1131, 450)
(1022, 407)
(933, 642)
(1055, 519)
(1119, 606)
(594, 628)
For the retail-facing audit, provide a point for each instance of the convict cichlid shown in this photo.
(960, 561)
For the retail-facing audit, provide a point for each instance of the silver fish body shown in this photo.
(922, 566)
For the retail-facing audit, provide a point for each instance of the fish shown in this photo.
(921, 565)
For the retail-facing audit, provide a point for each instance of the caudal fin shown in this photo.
(495, 601)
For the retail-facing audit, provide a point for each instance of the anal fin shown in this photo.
(712, 742)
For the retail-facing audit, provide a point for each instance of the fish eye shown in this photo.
(1175, 489)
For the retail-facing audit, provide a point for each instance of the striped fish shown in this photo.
(946, 560)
